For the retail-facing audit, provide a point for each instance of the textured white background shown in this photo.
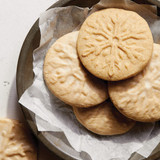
(16, 19)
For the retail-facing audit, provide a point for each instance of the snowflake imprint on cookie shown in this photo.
(115, 40)
(14, 144)
(66, 77)
(138, 97)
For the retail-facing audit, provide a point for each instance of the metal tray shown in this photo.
(57, 143)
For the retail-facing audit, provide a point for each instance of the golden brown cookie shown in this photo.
(103, 119)
(15, 143)
(139, 97)
(115, 44)
(67, 79)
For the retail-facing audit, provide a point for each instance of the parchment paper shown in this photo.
(53, 115)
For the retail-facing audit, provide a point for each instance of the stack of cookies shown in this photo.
(112, 55)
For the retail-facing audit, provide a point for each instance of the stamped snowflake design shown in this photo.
(66, 77)
(117, 40)
(9, 149)
(12, 146)
(139, 96)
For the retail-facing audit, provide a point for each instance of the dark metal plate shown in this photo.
(24, 79)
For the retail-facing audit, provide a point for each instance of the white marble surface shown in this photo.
(16, 19)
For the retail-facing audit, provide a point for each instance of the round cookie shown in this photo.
(15, 143)
(139, 97)
(67, 79)
(114, 44)
(103, 119)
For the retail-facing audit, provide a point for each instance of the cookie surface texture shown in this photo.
(139, 97)
(103, 119)
(67, 79)
(115, 44)
(15, 143)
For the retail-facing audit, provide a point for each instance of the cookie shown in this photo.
(114, 44)
(15, 143)
(139, 97)
(103, 119)
(67, 79)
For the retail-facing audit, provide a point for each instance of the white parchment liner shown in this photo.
(53, 115)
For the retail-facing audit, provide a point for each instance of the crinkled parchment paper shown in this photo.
(51, 114)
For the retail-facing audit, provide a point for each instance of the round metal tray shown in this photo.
(56, 143)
